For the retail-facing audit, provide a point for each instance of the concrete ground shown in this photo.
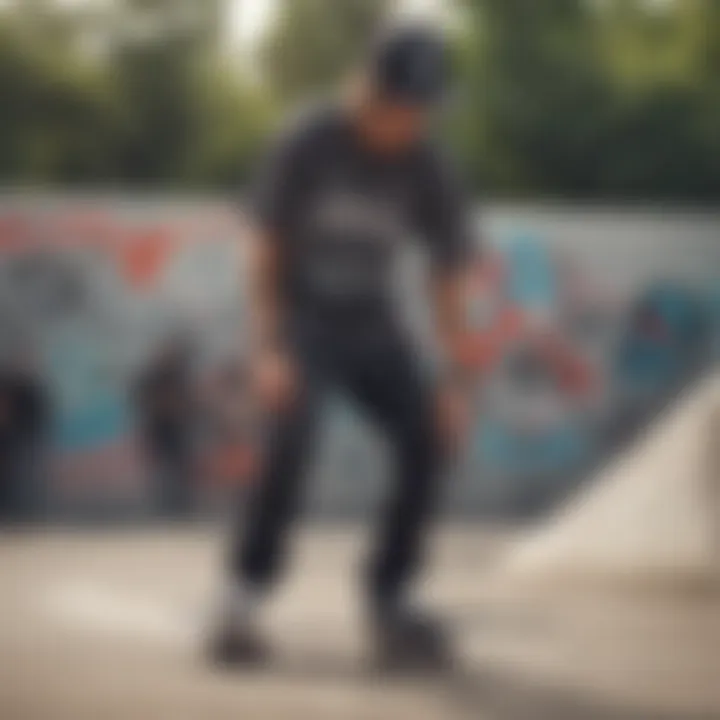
(107, 625)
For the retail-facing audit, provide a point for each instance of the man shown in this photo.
(344, 189)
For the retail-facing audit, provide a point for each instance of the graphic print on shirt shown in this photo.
(352, 236)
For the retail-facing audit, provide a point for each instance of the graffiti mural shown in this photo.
(116, 308)
(90, 290)
(566, 369)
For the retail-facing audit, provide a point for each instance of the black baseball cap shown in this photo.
(409, 65)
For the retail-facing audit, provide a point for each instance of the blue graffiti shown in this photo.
(555, 449)
(667, 328)
(532, 281)
(91, 408)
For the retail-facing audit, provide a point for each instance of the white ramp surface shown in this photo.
(652, 515)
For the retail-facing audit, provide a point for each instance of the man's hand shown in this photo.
(274, 380)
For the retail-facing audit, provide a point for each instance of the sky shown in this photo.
(250, 17)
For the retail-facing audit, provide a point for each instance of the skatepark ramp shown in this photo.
(652, 516)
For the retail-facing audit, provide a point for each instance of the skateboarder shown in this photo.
(344, 188)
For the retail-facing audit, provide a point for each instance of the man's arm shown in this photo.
(444, 222)
(272, 373)
(455, 382)
(274, 204)
(266, 319)
(448, 300)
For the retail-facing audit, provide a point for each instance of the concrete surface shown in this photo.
(107, 626)
(651, 516)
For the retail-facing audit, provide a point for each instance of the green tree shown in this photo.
(538, 95)
(314, 43)
(664, 63)
(58, 117)
(574, 98)
(158, 49)
(233, 120)
(593, 99)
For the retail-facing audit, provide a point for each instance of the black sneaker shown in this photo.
(406, 640)
(233, 647)
(235, 638)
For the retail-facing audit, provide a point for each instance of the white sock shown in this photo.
(241, 602)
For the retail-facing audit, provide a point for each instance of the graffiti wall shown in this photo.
(97, 297)
(88, 292)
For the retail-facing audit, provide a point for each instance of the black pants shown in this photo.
(377, 369)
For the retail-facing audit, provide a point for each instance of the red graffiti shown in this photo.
(143, 258)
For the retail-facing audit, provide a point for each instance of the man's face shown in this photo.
(390, 127)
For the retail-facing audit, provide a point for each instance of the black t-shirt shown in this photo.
(340, 212)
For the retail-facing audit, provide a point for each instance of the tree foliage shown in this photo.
(139, 95)
(316, 42)
(614, 99)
